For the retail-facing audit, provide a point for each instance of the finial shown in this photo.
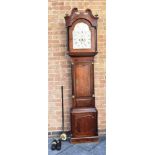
(96, 15)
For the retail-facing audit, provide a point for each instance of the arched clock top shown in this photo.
(81, 33)
(75, 15)
(81, 36)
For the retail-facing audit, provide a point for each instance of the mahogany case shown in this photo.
(84, 120)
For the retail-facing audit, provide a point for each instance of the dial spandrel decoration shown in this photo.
(81, 36)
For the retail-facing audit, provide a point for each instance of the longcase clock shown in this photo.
(82, 47)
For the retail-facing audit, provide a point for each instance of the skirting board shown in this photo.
(56, 134)
(52, 134)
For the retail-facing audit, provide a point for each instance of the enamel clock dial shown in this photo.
(81, 36)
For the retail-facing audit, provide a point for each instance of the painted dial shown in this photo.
(81, 36)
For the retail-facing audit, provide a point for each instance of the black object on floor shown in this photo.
(58, 145)
(54, 145)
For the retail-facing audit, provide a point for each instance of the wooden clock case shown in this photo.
(84, 126)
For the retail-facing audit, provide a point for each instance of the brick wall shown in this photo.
(59, 69)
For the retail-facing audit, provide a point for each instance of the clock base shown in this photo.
(94, 139)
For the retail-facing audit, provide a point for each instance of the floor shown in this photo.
(80, 149)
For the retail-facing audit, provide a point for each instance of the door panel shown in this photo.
(83, 79)
(84, 124)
